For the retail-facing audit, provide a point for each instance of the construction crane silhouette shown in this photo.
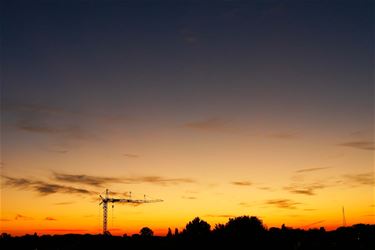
(105, 200)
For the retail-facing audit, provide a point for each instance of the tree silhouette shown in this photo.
(146, 232)
(197, 228)
(244, 227)
(169, 234)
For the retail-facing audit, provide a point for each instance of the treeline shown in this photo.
(238, 233)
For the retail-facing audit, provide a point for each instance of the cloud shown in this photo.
(58, 151)
(36, 108)
(311, 169)
(70, 132)
(284, 136)
(63, 203)
(364, 145)
(306, 189)
(47, 120)
(50, 219)
(85, 179)
(44, 188)
(160, 180)
(245, 204)
(360, 179)
(265, 188)
(22, 217)
(212, 124)
(100, 181)
(220, 215)
(282, 203)
(242, 183)
(189, 197)
(189, 36)
(131, 155)
(25, 126)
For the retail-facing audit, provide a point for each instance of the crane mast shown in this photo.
(105, 200)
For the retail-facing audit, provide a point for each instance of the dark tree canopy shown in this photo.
(197, 228)
(244, 226)
(146, 232)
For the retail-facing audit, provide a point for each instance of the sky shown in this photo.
(220, 108)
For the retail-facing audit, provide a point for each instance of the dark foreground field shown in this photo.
(239, 233)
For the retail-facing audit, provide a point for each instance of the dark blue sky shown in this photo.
(165, 58)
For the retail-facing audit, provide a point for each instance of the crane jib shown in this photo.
(105, 200)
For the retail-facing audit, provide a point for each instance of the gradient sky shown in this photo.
(220, 108)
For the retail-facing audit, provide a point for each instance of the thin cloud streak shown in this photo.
(50, 219)
(283, 203)
(22, 217)
(284, 136)
(189, 197)
(311, 169)
(220, 215)
(131, 155)
(101, 181)
(85, 179)
(63, 203)
(242, 183)
(212, 124)
(364, 145)
(70, 132)
(360, 179)
(44, 188)
(306, 189)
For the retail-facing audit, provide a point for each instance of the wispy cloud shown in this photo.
(101, 181)
(44, 188)
(131, 155)
(47, 188)
(58, 151)
(189, 197)
(284, 136)
(212, 124)
(283, 203)
(364, 145)
(22, 217)
(265, 188)
(242, 183)
(66, 131)
(50, 219)
(304, 188)
(36, 108)
(304, 170)
(160, 180)
(96, 181)
(189, 36)
(63, 203)
(220, 215)
(359, 179)
(245, 204)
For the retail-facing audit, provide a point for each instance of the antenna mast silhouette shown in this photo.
(343, 217)
(105, 200)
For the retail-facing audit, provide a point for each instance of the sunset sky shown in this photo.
(220, 108)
